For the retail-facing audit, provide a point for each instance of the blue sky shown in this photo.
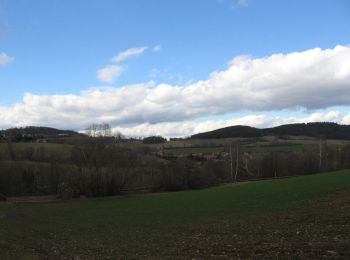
(58, 47)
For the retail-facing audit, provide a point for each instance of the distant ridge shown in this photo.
(36, 131)
(318, 130)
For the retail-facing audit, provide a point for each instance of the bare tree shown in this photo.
(99, 130)
(246, 159)
(236, 151)
(118, 135)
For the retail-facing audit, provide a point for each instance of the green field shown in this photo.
(280, 148)
(253, 149)
(300, 216)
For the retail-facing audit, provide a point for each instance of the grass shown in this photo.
(253, 149)
(169, 225)
(281, 148)
(61, 150)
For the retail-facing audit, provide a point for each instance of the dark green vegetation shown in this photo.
(317, 130)
(305, 217)
(153, 140)
(231, 131)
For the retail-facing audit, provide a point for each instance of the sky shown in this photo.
(173, 68)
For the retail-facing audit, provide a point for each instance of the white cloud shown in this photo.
(132, 52)
(157, 48)
(5, 59)
(309, 80)
(109, 73)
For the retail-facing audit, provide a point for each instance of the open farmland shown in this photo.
(304, 217)
(251, 148)
(280, 148)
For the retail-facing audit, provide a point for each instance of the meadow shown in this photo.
(36, 150)
(298, 216)
(280, 148)
(250, 148)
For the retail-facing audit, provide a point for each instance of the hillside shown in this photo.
(36, 131)
(231, 131)
(317, 130)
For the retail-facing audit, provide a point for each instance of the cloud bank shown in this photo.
(312, 79)
(187, 128)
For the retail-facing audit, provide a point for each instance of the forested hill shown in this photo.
(36, 131)
(231, 131)
(317, 130)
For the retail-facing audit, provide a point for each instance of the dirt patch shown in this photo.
(319, 231)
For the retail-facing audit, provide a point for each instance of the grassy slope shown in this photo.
(61, 150)
(164, 225)
(254, 149)
(281, 148)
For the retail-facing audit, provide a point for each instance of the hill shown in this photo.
(317, 130)
(35, 131)
(231, 131)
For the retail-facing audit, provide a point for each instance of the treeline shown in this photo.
(97, 168)
(35, 131)
(280, 164)
(318, 130)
